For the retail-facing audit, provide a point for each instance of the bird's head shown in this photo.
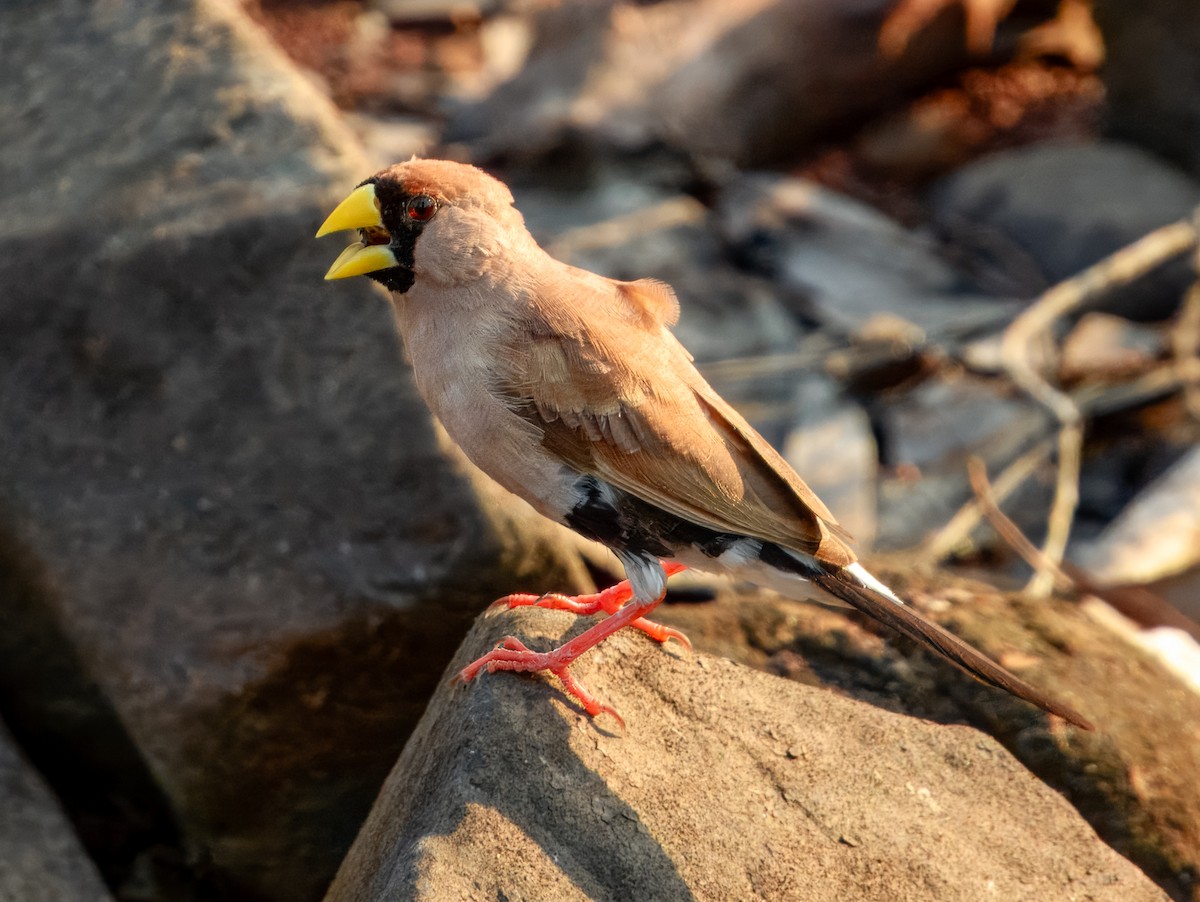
(429, 219)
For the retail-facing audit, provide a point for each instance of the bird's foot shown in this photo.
(609, 601)
(623, 610)
(511, 654)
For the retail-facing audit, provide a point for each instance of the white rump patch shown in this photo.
(867, 581)
(740, 553)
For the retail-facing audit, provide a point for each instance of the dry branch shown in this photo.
(1071, 296)
(1185, 340)
(959, 527)
(1135, 602)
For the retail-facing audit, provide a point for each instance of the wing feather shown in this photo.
(616, 396)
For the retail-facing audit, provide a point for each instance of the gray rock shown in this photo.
(831, 445)
(1133, 779)
(753, 82)
(1151, 80)
(1156, 536)
(390, 139)
(41, 859)
(845, 263)
(729, 784)
(928, 436)
(1067, 206)
(245, 528)
(1106, 347)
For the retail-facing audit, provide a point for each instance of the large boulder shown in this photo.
(728, 784)
(1151, 78)
(751, 82)
(42, 858)
(1133, 779)
(224, 504)
(1054, 209)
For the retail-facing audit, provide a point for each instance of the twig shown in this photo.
(1100, 400)
(1186, 347)
(1009, 531)
(1066, 297)
(1092, 400)
(809, 355)
(1185, 340)
(1137, 603)
(959, 527)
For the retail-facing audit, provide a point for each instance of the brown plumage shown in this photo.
(569, 389)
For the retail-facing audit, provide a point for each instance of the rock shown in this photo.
(927, 437)
(1152, 83)
(1066, 206)
(1133, 780)
(831, 445)
(225, 505)
(1106, 347)
(43, 860)
(432, 11)
(1175, 649)
(1156, 536)
(847, 265)
(751, 82)
(728, 784)
(387, 139)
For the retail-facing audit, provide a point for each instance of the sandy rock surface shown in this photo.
(728, 784)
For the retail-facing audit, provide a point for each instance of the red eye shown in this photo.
(420, 208)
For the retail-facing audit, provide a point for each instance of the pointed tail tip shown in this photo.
(1070, 715)
(858, 588)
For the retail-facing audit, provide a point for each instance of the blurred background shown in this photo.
(235, 551)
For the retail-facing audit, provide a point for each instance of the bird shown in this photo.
(570, 390)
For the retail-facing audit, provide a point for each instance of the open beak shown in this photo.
(359, 211)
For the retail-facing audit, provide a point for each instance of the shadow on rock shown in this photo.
(729, 784)
(477, 778)
(318, 733)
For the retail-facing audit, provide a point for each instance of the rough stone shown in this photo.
(728, 784)
(1151, 75)
(1133, 780)
(1065, 206)
(753, 82)
(847, 265)
(41, 859)
(225, 505)
(1156, 536)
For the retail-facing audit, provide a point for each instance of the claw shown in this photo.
(664, 634)
(517, 600)
(609, 601)
(511, 653)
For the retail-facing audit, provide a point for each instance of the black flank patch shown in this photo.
(629, 524)
(774, 556)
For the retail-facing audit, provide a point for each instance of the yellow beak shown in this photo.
(358, 211)
(359, 259)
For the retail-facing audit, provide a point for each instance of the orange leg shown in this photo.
(615, 601)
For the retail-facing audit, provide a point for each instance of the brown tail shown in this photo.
(905, 620)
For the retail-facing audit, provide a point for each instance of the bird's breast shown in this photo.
(453, 369)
